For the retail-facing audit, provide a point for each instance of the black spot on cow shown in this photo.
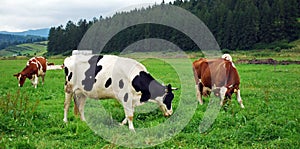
(108, 83)
(169, 97)
(97, 70)
(70, 76)
(92, 72)
(66, 71)
(121, 84)
(126, 97)
(149, 87)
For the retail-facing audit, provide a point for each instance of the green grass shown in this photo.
(292, 53)
(270, 118)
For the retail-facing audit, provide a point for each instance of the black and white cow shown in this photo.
(108, 76)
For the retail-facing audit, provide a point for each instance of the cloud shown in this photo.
(18, 15)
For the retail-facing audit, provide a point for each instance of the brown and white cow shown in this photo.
(35, 67)
(109, 76)
(52, 66)
(219, 76)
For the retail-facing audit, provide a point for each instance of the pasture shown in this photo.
(33, 118)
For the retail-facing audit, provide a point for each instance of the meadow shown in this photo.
(33, 118)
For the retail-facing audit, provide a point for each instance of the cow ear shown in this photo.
(169, 88)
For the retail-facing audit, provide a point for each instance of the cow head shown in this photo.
(21, 78)
(154, 91)
(230, 90)
(225, 93)
(167, 99)
(227, 57)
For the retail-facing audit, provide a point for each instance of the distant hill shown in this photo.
(27, 49)
(38, 32)
(7, 40)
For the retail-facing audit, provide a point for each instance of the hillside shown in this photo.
(7, 40)
(36, 48)
(38, 32)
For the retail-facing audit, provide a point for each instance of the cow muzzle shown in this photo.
(168, 113)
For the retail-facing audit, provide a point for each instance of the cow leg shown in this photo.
(79, 103)
(129, 110)
(130, 122)
(128, 118)
(198, 86)
(223, 91)
(124, 121)
(68, 97)
(34, 80)
(239, 99)
(43, 79)
(198, 93)
(81, 109)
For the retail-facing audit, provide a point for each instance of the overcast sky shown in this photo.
(20, 15)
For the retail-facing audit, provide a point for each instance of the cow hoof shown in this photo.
(166, 114)
(221, 103)
(242, 106)
(123, 122)
(65, 120)
(201, 102)
(132, 130)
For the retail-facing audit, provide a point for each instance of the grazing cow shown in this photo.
(219, 76)
(52, 66)
(35, 67)
(227, 57)
(108, 76)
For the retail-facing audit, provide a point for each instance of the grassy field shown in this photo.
(32, 118)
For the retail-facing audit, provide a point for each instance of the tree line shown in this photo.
(236, 24)
(63, 39)
(241, 24)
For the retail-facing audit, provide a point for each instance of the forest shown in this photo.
(236, 25)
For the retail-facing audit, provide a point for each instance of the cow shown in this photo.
(227, 57)
(109, 76)
(52, 66)
(219, 76)
(35, 67)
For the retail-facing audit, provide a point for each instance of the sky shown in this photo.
(21, 15)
